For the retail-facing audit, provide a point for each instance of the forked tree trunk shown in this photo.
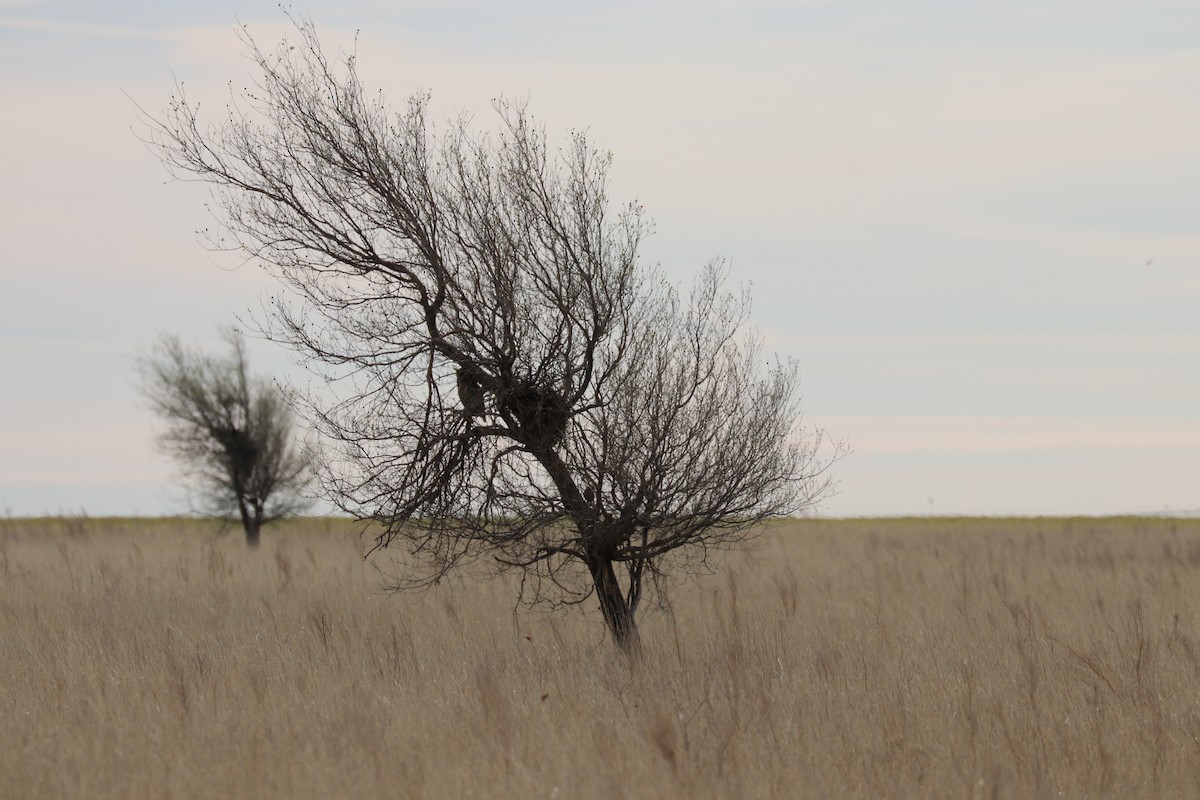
(617, 614)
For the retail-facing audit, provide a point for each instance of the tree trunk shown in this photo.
(617, 613)
(253, 532)
(251, 523)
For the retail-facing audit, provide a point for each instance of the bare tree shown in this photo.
(233, 433)
(510, 380)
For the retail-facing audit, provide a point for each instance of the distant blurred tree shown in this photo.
(232, 433)
(508, 379)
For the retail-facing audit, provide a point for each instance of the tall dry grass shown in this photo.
(901, 658)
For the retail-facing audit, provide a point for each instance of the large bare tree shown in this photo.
(231, 432)
(509, 379)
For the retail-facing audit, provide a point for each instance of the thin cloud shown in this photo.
(81, 29)
(921, 435)
(1127, 344)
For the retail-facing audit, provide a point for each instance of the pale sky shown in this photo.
(976, 225)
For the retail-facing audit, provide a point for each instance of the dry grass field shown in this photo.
(863, 658)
